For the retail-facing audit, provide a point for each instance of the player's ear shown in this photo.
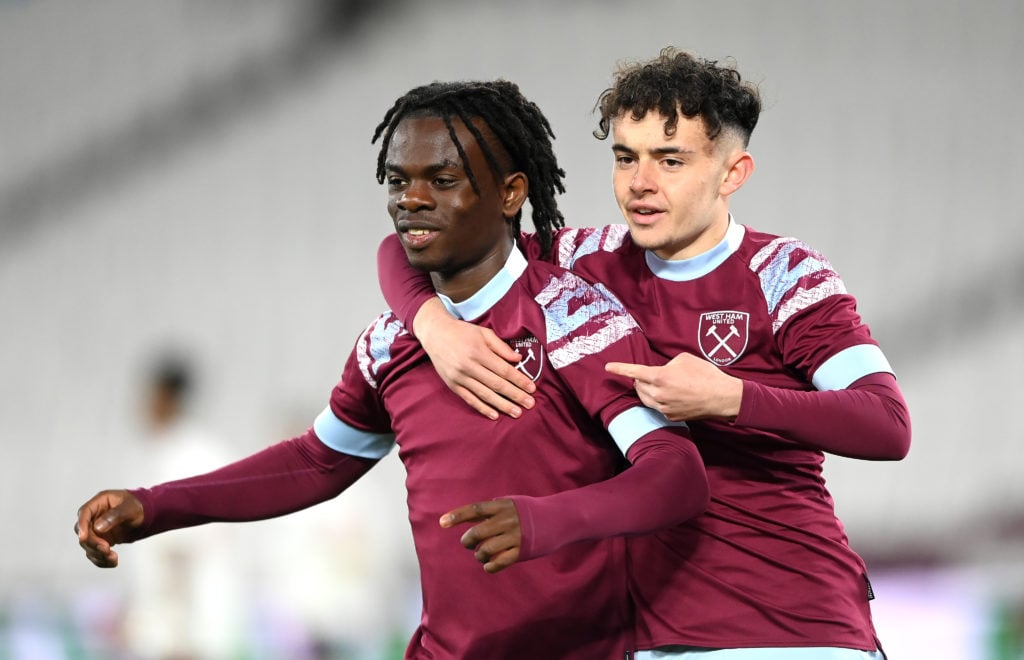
(740, 166)
(514, 190)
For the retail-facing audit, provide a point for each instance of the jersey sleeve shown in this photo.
(405, 288)
(283, 478)
(815, 321)
(570, 244)
(856, 408)
(356, 420)
(587, 327)
(665, 483)
(867, 420)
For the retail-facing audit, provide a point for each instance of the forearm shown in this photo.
(283, 478)
(867, 420)
(405, 289)
(665, 485)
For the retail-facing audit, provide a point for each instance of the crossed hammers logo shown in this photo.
(722, 341)
(723, 335)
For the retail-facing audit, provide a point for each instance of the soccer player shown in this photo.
(548, 494)
(770, 363)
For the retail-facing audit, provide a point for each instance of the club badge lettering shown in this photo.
(722, 336)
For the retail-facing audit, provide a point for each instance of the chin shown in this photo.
(645, 237)
(419, 261)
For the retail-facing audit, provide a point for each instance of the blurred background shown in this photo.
(188, 227)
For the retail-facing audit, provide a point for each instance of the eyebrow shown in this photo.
(658, 151)
(436, 167)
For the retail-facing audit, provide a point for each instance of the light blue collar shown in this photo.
(684, 270)
(481, 301)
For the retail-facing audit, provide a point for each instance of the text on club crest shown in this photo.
(529, 349)
(722, 336)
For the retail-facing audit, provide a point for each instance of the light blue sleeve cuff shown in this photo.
(631, 425)
(339, 436)
(848, 365)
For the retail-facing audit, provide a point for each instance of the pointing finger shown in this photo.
(468, 513)
(635, 371)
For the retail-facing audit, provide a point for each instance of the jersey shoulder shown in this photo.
(570, 244)
(793, 276)
(573, 244)
(378, 346)
(581, 319)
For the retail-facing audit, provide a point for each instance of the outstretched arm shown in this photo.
(283, 478)
(665, 486)
(472, 361)
(868, 419)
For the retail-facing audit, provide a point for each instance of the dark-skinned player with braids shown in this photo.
(544, 502)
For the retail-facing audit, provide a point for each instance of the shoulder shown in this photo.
(581, 318)
(378, 343)
(792, 274)
(769, 252)
(572, 243)
(551, 284)
(382, 331)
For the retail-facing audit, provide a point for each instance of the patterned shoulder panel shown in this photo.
(581, 319)
(574, 243)
(793, 277)
(373, 348)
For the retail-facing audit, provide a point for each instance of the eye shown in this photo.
(444, 181)
(624, 160)
(395, 181)
(672, 162)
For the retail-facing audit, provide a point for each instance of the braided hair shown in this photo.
(519, 125)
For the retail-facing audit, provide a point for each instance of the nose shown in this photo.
(415, 197)
(642, 180)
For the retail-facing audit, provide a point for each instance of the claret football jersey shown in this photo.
(572, 603)
(768, 564)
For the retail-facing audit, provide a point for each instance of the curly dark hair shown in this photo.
(517, 123)
(677, 81)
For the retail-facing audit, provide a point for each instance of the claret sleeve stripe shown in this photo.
(848, 365)
(339, 436)
(634, 423)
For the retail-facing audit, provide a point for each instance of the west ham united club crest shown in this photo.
(533, 356)
(722, 336)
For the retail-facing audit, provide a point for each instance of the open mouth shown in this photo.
(645, 215)
(417, 237)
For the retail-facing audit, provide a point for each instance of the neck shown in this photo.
(471, 308)
(699, 265)
(462, 283)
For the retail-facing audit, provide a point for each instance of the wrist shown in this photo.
(430, 315)
(732, 401)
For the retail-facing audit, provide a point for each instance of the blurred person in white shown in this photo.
(185, 598)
